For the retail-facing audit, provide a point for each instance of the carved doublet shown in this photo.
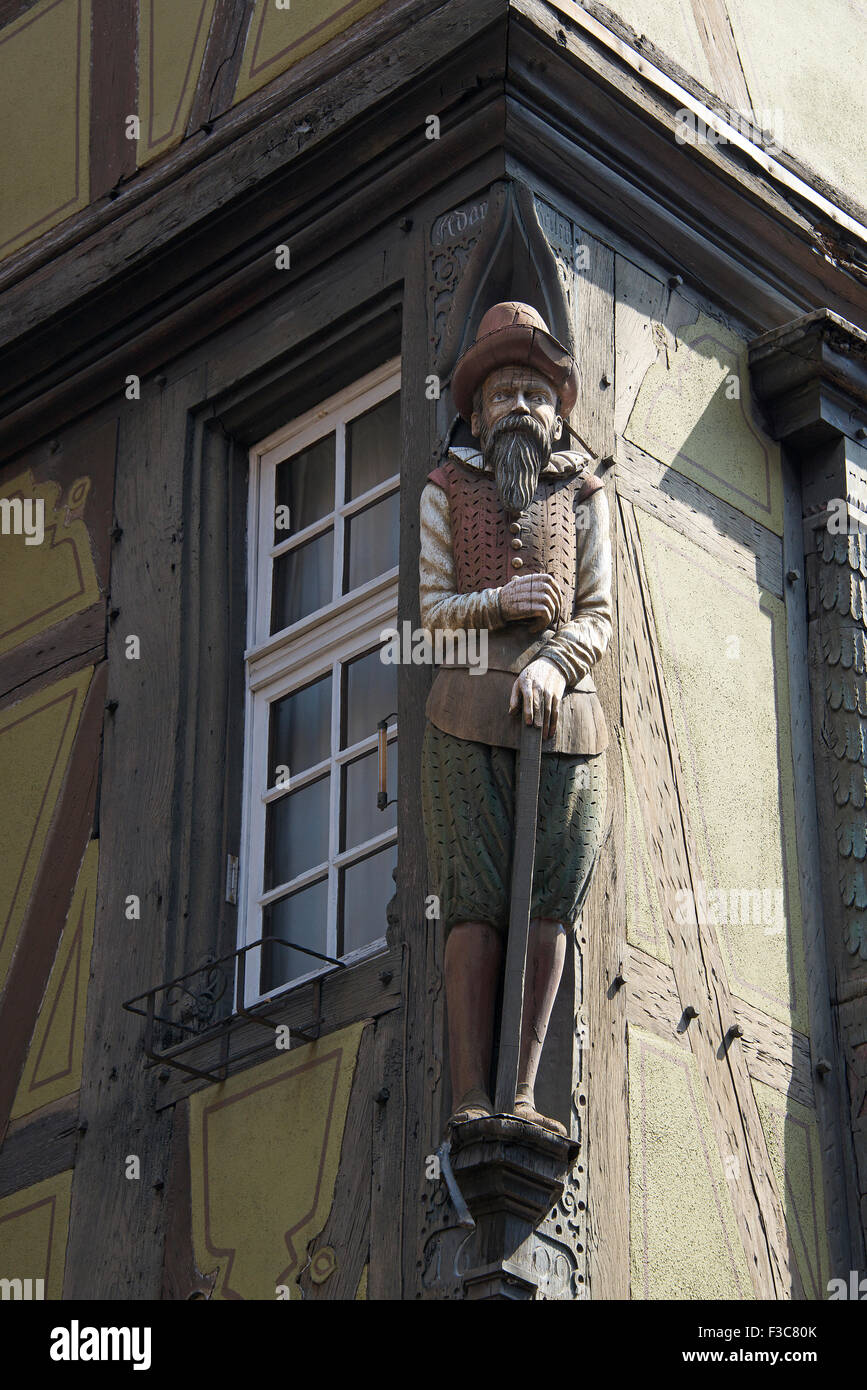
(492, 545)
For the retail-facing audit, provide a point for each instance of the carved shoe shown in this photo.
(475, 1105)
(525, 1109)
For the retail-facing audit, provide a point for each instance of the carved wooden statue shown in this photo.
(514, 544)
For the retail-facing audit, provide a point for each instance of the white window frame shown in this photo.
(277, 664)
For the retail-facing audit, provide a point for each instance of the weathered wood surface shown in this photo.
(347, 996)
(38, 1146)
(113, 95)
(721, 1064)
(718, 41)
(827, 1092)
(602, 937)
(138, 811)
(65, 845)
(49, 656)
(221, 62)
(182, 1278)
(594, 336)
(775, 1054)
(717, 527)
(347, 1229)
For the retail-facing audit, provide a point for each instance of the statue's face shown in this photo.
(517, 391)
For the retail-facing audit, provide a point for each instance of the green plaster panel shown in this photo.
(670, 26)
(724, 658)
(693, 413)
(644, 922)
(803, 61)
(683, 1230)
(792, 1135)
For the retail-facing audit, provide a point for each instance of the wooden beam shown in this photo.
(38, 1146)
(113, 92)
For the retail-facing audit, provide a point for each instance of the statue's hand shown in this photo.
(540, 687)
(529, 596)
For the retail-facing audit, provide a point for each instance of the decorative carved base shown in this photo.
(511, 1175)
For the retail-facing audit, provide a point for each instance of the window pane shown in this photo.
(296, 836)
(367, 888)
(373, 447)
(302, 920)
(371, 542)
(369, 694)
(303, 581)
(361, 817)
(305, 484)
(300, 729)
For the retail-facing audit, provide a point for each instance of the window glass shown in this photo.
(366, 891)
(305, 484)
(373, 447)
(361, 818)
(300, 729)
(297, 833)
(303, 920)
(369, 694)
(303, 581)
(371, 545)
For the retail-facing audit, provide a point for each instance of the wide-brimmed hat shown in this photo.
(514, 335)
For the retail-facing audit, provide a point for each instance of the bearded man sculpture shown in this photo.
(514, 543)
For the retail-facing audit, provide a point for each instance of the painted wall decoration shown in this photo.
(795, 1151)
(33, 1228)
(36, 738)
(693, 413)
(172, 41)
(53, 1066)
(45, 116)
(43, 583)
(281, 36)
(264, 1153)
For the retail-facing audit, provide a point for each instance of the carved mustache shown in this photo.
(519, 424)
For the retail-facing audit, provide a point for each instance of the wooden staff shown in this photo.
(523, 861)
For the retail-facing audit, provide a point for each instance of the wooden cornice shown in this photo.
(811, 377)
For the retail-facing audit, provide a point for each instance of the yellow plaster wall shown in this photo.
(280, 37)
(645, 926)
(264, 1153)
(684, 1236)
(36, 738)
(687, 416)
(45, 119)
(34, 1226)
(53, 1066)
(803, 61)
(172, 40)
(670, 25)
(40, 585)
(794, 1147)
(724, 658)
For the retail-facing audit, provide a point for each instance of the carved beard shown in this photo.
(516, 450)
